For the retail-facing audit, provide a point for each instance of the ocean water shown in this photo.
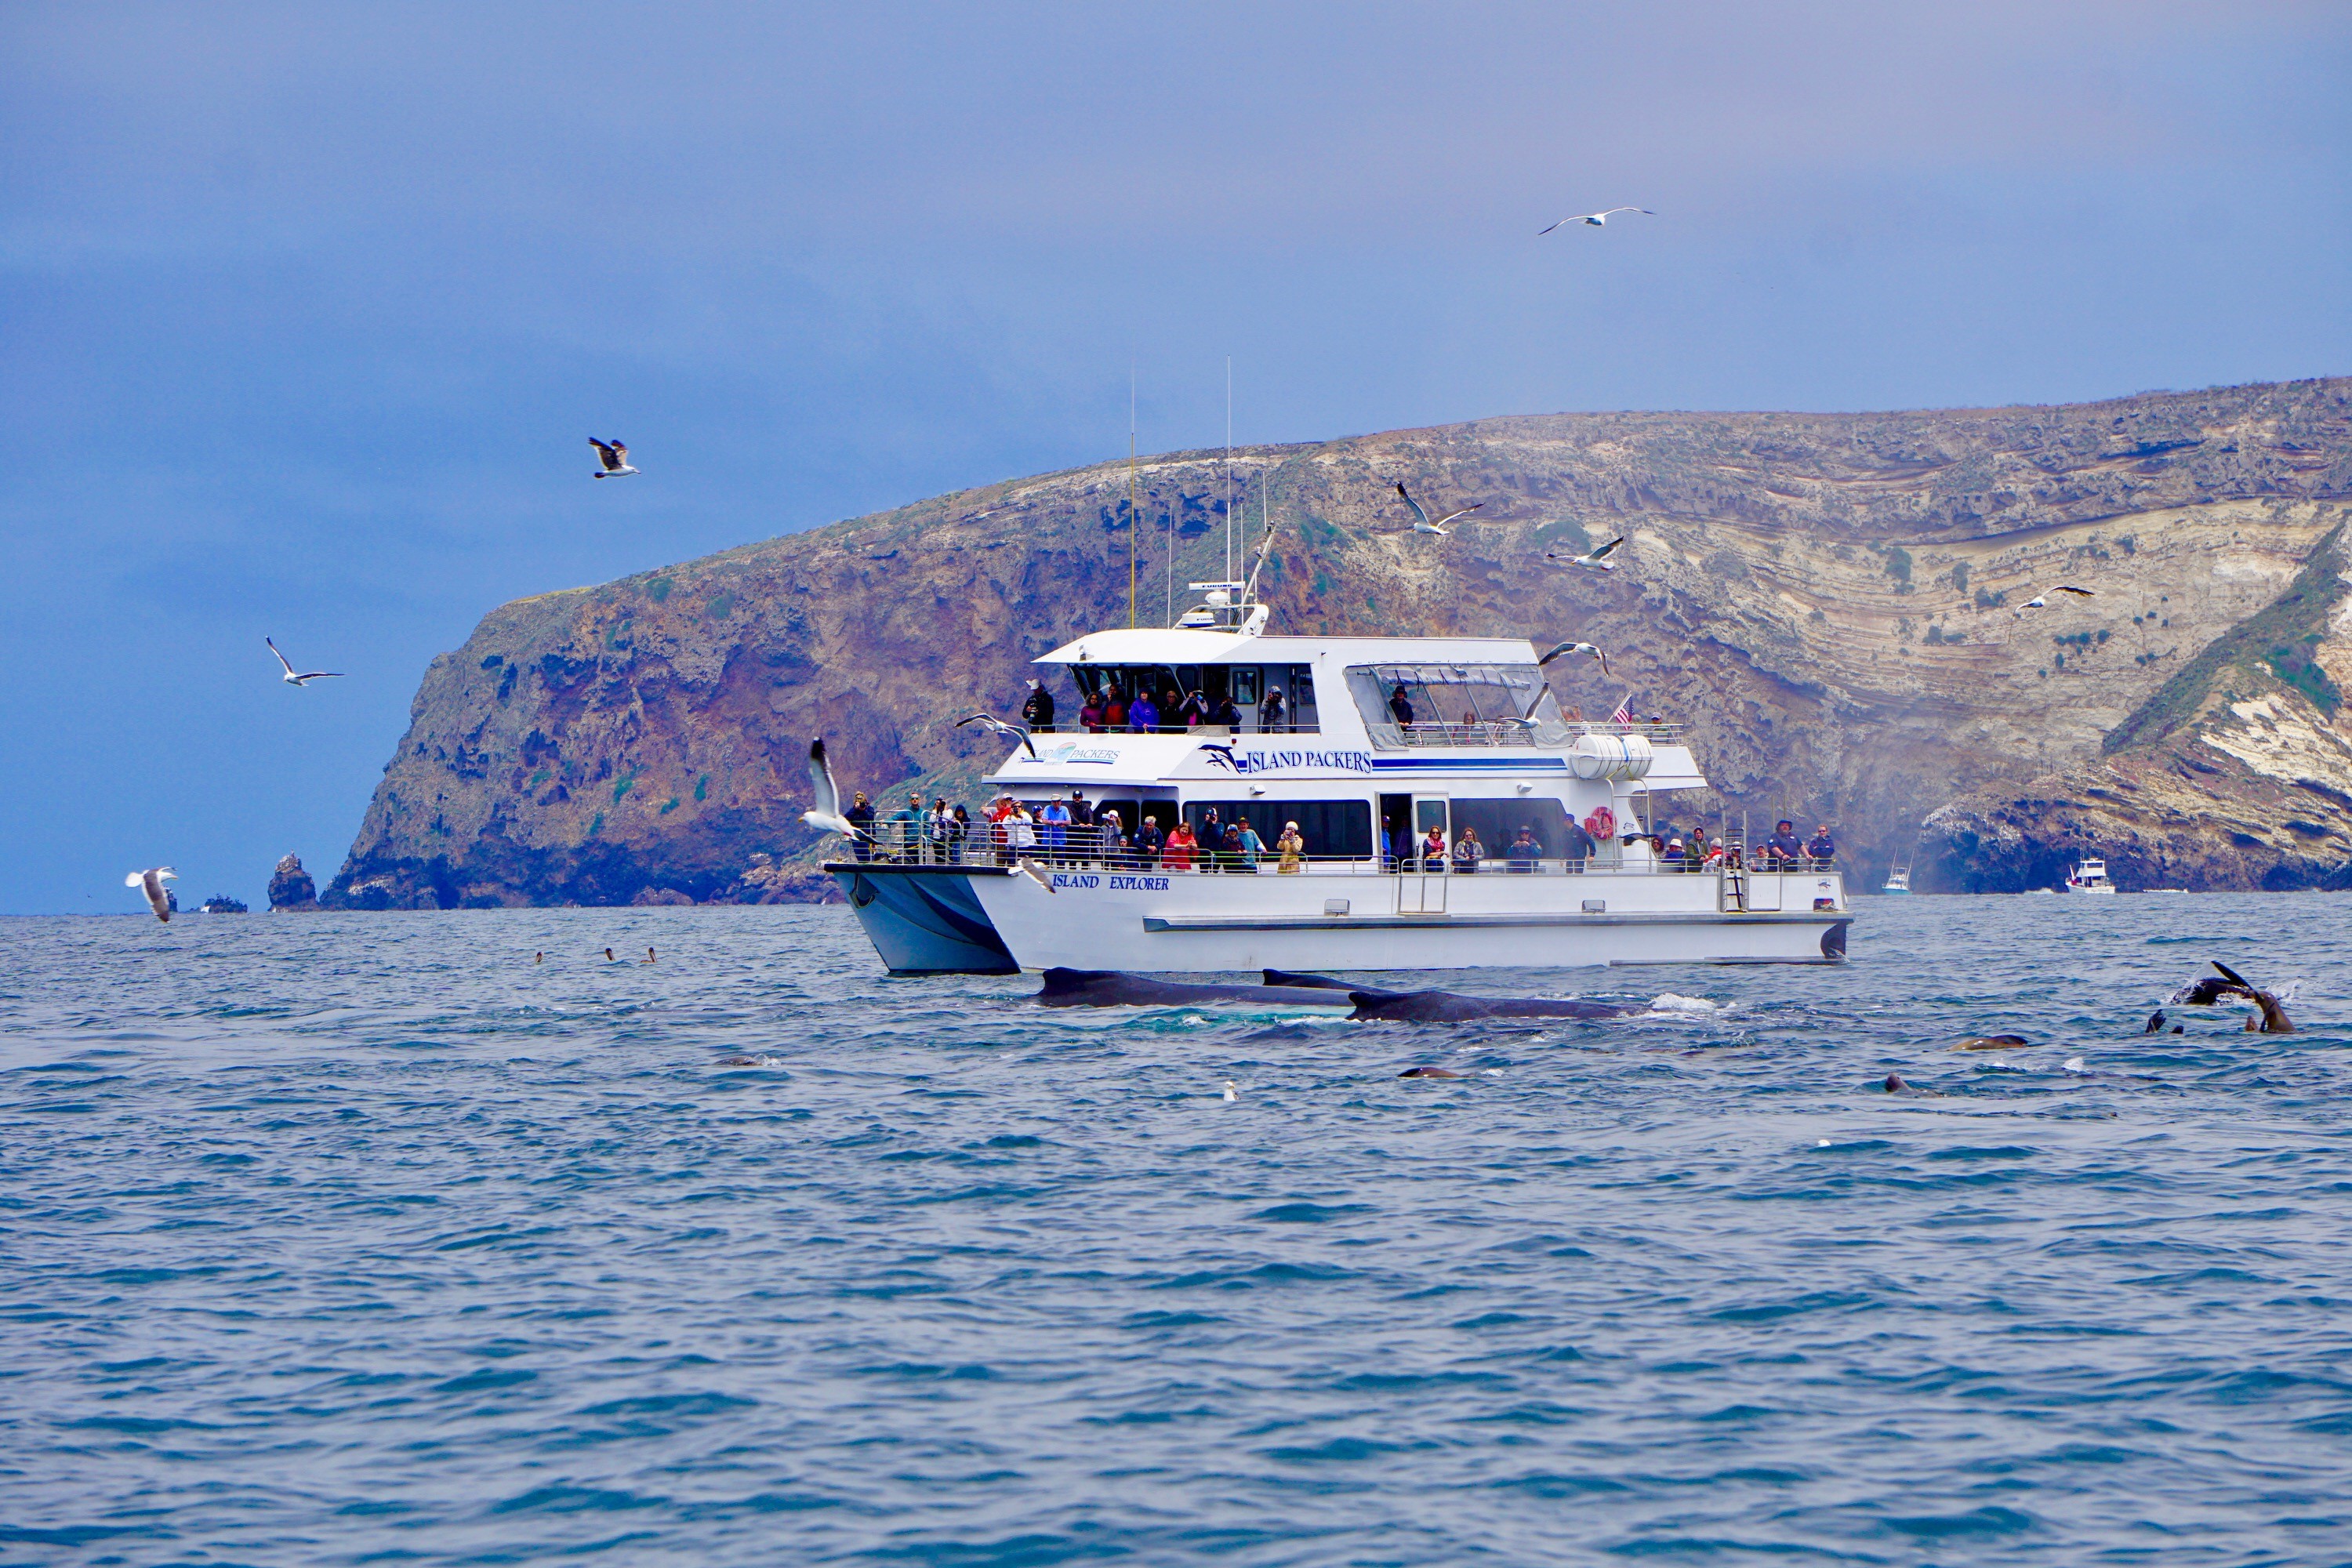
(349, 1239)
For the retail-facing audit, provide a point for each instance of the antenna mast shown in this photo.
(1134, 518)
(1229, 467)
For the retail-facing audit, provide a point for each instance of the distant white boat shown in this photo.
(1899, 880)
(2089, 877)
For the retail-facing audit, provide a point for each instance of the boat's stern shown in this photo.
(924, 919)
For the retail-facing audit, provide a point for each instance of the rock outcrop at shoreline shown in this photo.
(291, 892)
(1831, 602)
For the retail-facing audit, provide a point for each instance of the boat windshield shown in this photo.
(1457, 704)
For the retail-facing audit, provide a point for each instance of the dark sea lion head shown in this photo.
(1427, 1072)
(1993, 1043)
(1895, 1084)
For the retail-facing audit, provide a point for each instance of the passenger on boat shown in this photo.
(1694, 853)
(1401, 706)
(1038, 713)
(1784, 844)
(1110, 838)
(1177, 854)
(1172, 720)
(861, 817)
(999, 814)
(1195, 711)
(1212, 841)
(1672, 860)
(906, 830)
(1581, 845)
(1147, 842)
(1054, 831)
(1270, 713)
(1248, 846)
(1143, 714)
(938, 826)
(1468, 851)
(1114, 711)
(1432, 849)
(959, 834)
(1225, 712)
(1821, 847)
(1289, 847)
(1090, 715)
(1020, 833)
(1081, 825)
(1396, 846)
(1230, 851)
(1524, 851)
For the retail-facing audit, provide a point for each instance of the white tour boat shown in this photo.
(2089, 877)
(1378, 741)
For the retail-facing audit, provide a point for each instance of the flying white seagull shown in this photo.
(306, 677)
(1597, 220)
(2041, 602)
(151, 881)
(1028, 869)
(826, 815)
(1010, 731)
(1590, 558)
(1421, 523)
(615, 455)
(1575, 647)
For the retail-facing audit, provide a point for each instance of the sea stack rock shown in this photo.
(291, 889)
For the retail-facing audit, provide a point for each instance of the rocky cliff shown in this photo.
(1836, 603)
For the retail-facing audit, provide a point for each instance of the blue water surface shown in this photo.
(365, 1238)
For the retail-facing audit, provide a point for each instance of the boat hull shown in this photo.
(1180, 923)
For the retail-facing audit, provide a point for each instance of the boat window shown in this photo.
(1498, 820)
(1456, 705)
(1302, 696)
(1245, 687)
(1331, 829)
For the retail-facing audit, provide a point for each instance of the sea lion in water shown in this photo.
(1427, 1072)
(2211, 988)
(1112, 988)
(1894, 1085)
(1993, 1043)
(1451, 1007)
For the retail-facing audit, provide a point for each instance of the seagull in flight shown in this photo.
(1010, 731)
(1028, 869)
(826, 815)
(306, 677)
(1597, 220)
(151, 881)
(1421, 523)
(1599, 558)
(615, 455)
(1575, 648)
(2042, 600)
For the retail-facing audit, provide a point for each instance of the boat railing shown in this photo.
(1083, 848)
(1547, 733)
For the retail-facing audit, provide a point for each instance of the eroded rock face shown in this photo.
(1833, 602)
(290, 888)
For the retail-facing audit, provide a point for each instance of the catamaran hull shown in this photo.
(1202, 925)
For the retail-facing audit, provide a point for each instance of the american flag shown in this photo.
(1624, 714)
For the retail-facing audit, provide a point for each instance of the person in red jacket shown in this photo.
(1177, 854)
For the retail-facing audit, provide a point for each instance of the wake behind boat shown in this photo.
(1416, 804)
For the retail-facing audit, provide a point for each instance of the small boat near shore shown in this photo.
(2089, 877)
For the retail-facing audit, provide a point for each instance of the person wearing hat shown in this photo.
(1524, 851)
(1081, 825)
(1038, 713)
(1784, 845)
(1289, 847)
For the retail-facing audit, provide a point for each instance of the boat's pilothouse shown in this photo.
(1210, 798)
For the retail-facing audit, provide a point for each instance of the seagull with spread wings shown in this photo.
(826, 816)
(1575, 648)
(1010, 731)
(1597, 558)
(151, 882)
(615, 455)
(2042, 600)
(1421, 523)
(1597, 220)
(306, 676)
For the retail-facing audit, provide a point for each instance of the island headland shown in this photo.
(1834, 603)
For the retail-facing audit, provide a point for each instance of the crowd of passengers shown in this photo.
(1075, 833)
(1170, 713)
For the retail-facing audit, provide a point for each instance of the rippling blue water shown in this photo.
(344, 1239)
